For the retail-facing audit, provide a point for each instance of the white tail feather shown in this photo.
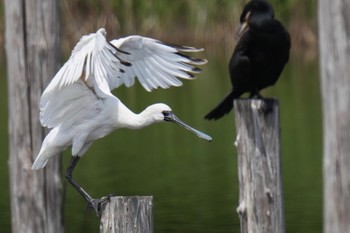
(39, 163)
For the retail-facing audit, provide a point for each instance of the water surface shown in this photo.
(194, 183)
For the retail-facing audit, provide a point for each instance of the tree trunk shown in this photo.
(334, 31)
(32, 46)
(259, 166)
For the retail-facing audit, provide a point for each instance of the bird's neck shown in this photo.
(132, 120)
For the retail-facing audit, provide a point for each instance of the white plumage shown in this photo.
(78, 104)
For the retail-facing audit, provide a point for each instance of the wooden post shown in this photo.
(127, 214)
(259, 166)
(33, 51)
(334, 42)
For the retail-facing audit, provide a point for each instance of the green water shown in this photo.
(193, 182)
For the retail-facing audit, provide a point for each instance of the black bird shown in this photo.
(259, 56)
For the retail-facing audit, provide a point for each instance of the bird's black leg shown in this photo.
(93, 203)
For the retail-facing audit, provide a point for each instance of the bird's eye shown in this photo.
(166, 113)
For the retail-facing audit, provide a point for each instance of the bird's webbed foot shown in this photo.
(96, 204)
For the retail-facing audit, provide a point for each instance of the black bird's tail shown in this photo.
(224, 107)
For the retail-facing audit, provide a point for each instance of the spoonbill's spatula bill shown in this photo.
(78, 104)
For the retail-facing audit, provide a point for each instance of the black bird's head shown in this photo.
(256, 13)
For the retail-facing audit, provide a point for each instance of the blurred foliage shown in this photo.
(199, 22)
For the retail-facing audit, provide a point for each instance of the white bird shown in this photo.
(78, 104)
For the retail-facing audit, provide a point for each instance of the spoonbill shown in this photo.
(78, 104)
(259, 56)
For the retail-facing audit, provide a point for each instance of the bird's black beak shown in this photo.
(169, 116)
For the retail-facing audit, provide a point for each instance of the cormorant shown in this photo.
(259, 56)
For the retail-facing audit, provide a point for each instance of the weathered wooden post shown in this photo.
(259, 166)
(127, 214)
(334, 36)
(33, 51)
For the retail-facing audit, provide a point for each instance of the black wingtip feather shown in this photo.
(119, 50)
(196, 70)
(123, 62)
(195, 60)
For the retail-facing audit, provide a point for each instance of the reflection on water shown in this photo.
(194, 183)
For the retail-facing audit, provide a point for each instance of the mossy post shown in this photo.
(259, 166)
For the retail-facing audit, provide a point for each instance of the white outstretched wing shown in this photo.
(85, 77)
(154, 63)
(70, 105)
(95, 60)
(97, 66)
